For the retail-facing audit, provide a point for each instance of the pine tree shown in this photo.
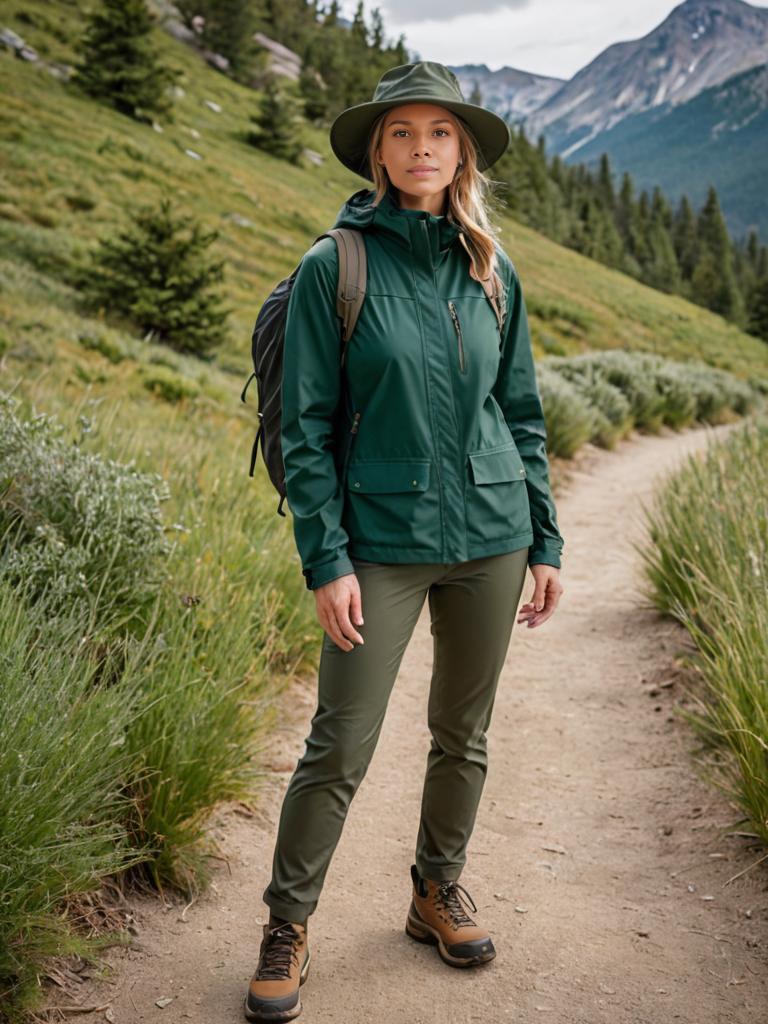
(228, 26)
(358, 30)
(605, 183)
(277, 124)
(155, 273)
(685, 239)
(476, 96)
(119, 65)
(715, 289)
(758, 312)
(377, 29)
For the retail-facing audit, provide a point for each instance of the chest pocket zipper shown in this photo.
(350, 442)
(459, 337)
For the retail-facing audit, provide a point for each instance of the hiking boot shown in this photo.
(273, 993)
(436, 915)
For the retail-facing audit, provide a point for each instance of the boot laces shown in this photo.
(278, 952)
(447, 893)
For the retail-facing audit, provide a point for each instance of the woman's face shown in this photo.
(420, 135)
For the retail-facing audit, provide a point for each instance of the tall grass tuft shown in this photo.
(63, 764)
(706, 564)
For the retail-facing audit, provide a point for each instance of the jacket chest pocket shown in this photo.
(497, 498)
(475, 332)
(392, 503)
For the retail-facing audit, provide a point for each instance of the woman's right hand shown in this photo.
(339, 605)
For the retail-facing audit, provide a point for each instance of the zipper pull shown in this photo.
(460, 340)
(355, 423)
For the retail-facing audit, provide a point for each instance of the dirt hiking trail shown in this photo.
(599, 859)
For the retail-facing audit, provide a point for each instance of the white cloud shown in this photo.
(405, 12)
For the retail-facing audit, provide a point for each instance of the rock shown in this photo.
(10, 39)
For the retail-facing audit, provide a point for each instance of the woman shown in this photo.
(437, 488)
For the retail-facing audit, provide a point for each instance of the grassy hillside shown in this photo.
(73, 170)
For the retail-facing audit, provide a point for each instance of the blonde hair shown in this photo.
(470, 198)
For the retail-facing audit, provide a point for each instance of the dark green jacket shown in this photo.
(448, 461)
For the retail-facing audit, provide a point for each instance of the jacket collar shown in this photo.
(406, 227)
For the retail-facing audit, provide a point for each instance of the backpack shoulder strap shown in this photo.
(353, 276)
(494, 290)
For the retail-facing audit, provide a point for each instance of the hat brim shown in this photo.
(351, 129)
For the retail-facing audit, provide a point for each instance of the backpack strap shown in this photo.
(353, 277)
(494, 290)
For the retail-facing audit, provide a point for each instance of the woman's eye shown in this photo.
(398, 130)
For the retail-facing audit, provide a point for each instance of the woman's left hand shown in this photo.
(546, 594)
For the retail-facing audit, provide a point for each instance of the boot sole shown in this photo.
(422, 932)
(263, 1014)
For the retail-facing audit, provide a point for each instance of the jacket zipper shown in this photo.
(460, 339)
(352, 431)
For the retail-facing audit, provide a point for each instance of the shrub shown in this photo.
(112, 350)
(570, 419)
(169, 386)
(74, 524)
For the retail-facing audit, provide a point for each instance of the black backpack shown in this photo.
(268, 339)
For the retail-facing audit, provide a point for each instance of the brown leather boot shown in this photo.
(273, 994)
(436, 915)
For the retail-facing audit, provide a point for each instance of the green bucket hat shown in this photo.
(425, 81)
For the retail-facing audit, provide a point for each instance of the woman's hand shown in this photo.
(546, 594)
(339, 603)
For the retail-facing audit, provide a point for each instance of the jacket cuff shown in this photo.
(322, 574)
(544, 556)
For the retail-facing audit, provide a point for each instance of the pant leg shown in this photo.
(353, 693)
(473, 610)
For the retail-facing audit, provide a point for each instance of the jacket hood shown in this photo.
(402, 225)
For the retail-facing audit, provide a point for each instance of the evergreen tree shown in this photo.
(119, 64)
(685, 239)
(605, 183)
(753, 249)
(377, 30)
(713, 281)
(277, 124)
(313, 92)
(476, 96)
(228, 26)
(155, 273)
(358, 31)
(331, 15)
(758, 312)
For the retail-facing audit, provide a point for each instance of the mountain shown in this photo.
(719, 137)
(512, 93)
(701, 43)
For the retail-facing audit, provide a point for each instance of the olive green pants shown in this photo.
(472, 607)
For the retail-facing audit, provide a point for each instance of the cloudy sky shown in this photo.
(550, 37)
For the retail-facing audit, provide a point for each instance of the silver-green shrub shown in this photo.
(74, 525)
(569, 417)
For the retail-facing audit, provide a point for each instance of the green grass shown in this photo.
(706, 563)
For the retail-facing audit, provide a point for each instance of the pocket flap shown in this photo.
(385, 476)
(492, 467)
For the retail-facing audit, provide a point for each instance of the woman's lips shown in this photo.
(423, 173)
